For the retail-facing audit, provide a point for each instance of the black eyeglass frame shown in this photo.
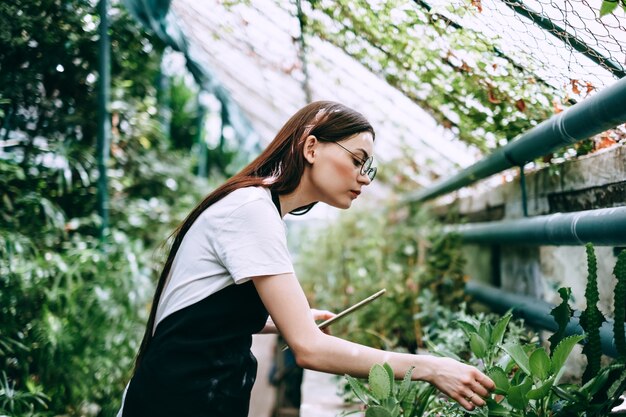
(366, 164)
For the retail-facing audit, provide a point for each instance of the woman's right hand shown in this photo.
(463, 383)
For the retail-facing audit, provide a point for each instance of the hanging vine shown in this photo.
(453, 73)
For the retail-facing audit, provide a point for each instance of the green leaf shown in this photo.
(409, 402)
(467, 327)
(608, 6)
(422, 401)
(478, 345)
(520, 357)
(485, 330)
(497, 410)
(601, 381)
(390, 374)
(517, 395)
(505, 362)
(498, 331)
(613, 389)
(541, 391)
(379, 382)
(540, 364)
(562, 315)
(377, 411)
(563, 394)
(406, 384)
(500, 379)
(562, 352)
(391, 405)
(358, 388)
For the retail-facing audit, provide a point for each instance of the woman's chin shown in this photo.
(344, 205)
(340, 202)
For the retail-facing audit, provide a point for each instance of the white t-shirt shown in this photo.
(239, 237)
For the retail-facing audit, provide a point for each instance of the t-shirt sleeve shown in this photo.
(252, 242)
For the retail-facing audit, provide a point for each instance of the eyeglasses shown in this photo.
(366, 164)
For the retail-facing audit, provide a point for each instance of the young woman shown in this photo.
(229, 267)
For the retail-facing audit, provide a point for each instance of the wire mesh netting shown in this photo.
(564, 43)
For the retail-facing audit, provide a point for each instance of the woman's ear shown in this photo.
(310, 146)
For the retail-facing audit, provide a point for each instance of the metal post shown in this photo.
(203, 151)
(522, 183)
(104, 119)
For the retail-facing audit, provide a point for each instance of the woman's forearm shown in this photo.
(338, 356)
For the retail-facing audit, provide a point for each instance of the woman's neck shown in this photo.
(296, 199)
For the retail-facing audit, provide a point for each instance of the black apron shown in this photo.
(198, 363)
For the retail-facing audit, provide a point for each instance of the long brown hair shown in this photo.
(279, 167)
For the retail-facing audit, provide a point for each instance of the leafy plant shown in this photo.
(591, 319)
(384, 397)
(534, 387)
(18, 403)
(620, 307)
(604, 385)
(524, 373)
(72, 309)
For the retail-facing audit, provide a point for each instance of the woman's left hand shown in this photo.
(322, 315)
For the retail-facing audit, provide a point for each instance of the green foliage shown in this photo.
(620, 307)
(185, 113)
(72, 309)
(591, 319)
(366, 251)
(525, 375)
(48, 65)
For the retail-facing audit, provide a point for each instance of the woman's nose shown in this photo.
(364, 179)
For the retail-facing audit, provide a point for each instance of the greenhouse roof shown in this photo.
(253, 50)
(448, 81)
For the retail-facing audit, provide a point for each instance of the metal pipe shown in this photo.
(605, 227)
(536, 312)
(591, 116)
